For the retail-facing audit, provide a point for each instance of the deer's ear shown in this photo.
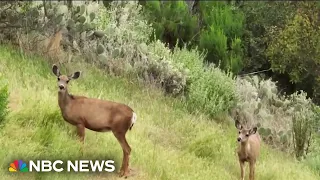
(75, 75)
(253, 130)
(238, 125)
(56, 70)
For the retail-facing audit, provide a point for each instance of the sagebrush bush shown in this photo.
(191, 60)
(156, 64)
(128, 50)
(304, 120)
(4, 99)
(212, 92)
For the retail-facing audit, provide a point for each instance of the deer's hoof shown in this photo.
(121, 173)
(124, 174)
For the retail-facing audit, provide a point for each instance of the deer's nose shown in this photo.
(239, 139)
(61, 86)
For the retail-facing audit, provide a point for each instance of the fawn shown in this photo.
(248, 148)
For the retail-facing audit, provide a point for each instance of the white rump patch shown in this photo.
(134, 118)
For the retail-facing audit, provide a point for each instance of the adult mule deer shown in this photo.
(248, 149)
(96, 115)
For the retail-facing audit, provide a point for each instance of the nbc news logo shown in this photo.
(56, 166)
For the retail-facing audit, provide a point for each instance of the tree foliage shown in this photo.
(172, 21)
(294, 49)
(222, 27)
(216, 29)
(259, 18)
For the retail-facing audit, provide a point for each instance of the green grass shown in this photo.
(167, 142)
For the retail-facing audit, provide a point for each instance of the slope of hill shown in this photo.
(167, 142)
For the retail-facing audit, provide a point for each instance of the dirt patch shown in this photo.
(14, 99)
(136, 174)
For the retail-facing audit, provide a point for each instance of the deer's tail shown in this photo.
(133, 119)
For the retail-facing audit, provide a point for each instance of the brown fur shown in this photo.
(96, 115)
(248, 149)
(53, 48)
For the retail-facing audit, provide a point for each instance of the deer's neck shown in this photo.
(245, 147)
(63, 99)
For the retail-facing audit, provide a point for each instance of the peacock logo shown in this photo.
(18, 165)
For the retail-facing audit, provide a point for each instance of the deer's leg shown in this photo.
(252, 169)
(80, 131)
(81, 134)
(124, 171)
(128, 151)
(242, 169)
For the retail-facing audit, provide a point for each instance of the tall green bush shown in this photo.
(304, 120)
(215, 29)
(172, 21)
(191, 60)
(209, 89)
(220, 34)
(213, 92)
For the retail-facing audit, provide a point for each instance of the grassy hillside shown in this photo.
(167, 142)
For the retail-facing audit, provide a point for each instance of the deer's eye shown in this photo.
(68, 81)
(58, 79)
(247, 135)
(239, 132)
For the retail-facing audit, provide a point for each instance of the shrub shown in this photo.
(212, 92)
(209, 89)
(191, 61)
(127, 50)
(157, 65)
(303, 122)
